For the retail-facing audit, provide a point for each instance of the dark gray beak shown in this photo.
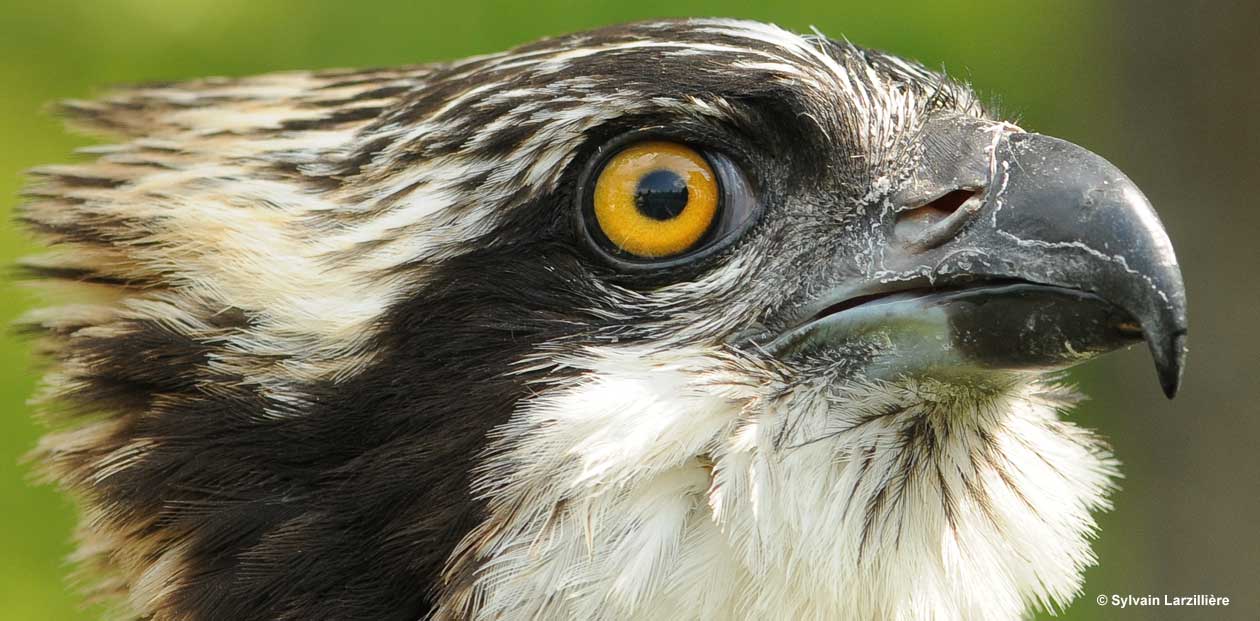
(1053, 213)
(1055, 257)
(1071, 219)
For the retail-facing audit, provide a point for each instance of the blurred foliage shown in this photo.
(1026, 52)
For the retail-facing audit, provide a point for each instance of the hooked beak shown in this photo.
(1056, 257)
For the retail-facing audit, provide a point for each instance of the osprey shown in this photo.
(689, 319)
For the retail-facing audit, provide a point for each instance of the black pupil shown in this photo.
(661, 195)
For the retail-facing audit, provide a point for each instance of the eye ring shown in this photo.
(672, 232)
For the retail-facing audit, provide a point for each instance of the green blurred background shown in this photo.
(1170, 94)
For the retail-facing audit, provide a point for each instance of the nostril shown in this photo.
(937, 209)
(950, 202)
(931, 223)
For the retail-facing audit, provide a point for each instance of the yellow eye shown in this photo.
(656, 199)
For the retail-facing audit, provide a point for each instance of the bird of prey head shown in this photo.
(679, 320)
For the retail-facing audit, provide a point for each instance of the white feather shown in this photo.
(692, 484)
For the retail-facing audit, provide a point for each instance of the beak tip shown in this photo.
(1170, 386)
(1170, 362)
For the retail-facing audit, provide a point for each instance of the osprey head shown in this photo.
(692, 319)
